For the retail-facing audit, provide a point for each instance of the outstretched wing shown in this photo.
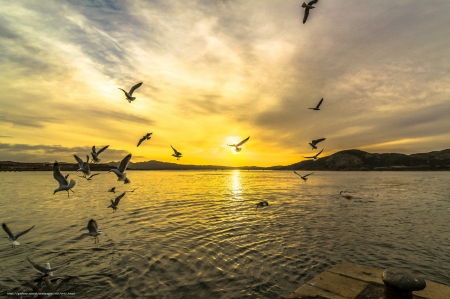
(92, 226)
(124, 164)
(313, 2)
(58, 175)
(123, 91)
(116, 201)
(317, 141)
(37, 267)
(174, 150)
(140, 140)
(6, 229)
(101, 150)
(134, 88)
(297, 173)
(23, 233)
(79, 161)
(319, 153)
(320, 103)
(308, 157)
(305, 17)
(243, 141)
(94, 175)
(307, 174)
(93, 149)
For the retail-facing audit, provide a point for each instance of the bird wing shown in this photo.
(320, 103)
(23, 233)
(149, 134)
(37, 267)
(317, 141)
(134, 88)
(308, 157)
(140, 140)
(113, 188)
(116, 201)
(175, 151)
(94, 175)
(79, 161)
(58, 175)
(313, 2)
(305, 17)
(297, 173)
(307, 174)
(123, 91)
(6, 229)
(93, 149)
(102, 149)
(92, 226)
(319, 153)
(67, 175)
(124, 164)
(243, 141)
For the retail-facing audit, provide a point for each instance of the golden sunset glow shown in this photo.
(223, 71)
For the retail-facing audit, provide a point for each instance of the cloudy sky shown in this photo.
(217, 71)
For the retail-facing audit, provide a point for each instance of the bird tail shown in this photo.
(126, 181)
(72, 183)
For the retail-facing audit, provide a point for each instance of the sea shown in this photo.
(198, 234)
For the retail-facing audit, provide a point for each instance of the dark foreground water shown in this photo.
(192, 234)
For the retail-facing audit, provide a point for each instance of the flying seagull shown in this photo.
(145, 137)
(45, 271)
(315, 156)
(129, 94)
(90, 178)
(176, 153)
(314, 142)
(120, 171)
(113, 189)
(318, 105)
(63, 183)
(93, 230)
(307, 8)
(95, 154)
(305, 176)
(261, 204)
(84, 166)
(13, 238)
(114, 203)
(237, 147)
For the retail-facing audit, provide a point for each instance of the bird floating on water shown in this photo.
(63, 183)
(114, 203)
(130, 93)
(45, 271)
(261, 205)
(120, 171)
(93, 230)
(304, 177)
(314, 142)
(13, 238)
(307, 8)
(95, 154)
(84, 166)
(318, 105)
(176, 153)
(145, 137)
(238, 147)
(315, 156)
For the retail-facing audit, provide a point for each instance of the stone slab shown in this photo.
(359, 272)
(434, 290)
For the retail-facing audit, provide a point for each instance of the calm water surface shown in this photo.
(196, 234)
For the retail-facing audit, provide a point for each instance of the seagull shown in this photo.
(84, 166)
(305, 176)
(120, 171)
(95, 154)
(237, 147)
(145, 137)
(45, 271)
(345, 196)
(261, 204)
(114, 203)
(129, 94)
(307, 8)
(63, 183)
(318, 105)
(113, 189)
(131, 190)
(90, 178)
(93, 230)
(315, 156)
(176, 153)
(13, 238)
(314, 142)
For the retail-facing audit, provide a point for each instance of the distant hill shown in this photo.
(361, 160)
(157, 165)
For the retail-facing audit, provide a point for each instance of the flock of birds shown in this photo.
(120, 172)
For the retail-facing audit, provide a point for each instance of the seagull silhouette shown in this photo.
(145, 137)
(261, 205)
(13, 238)
(84, 166)
(93, 230)
(114, 203)
(95, 154)
(120, 171)
(130, 93)
(113, 189)
(237, 147)
(176, 153)
(303, 177)
(45, 271)
(314, 142)
(318, 105)
(63, 183)
(315, 156)
(307, 8)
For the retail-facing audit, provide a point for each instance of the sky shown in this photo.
(217, 71)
